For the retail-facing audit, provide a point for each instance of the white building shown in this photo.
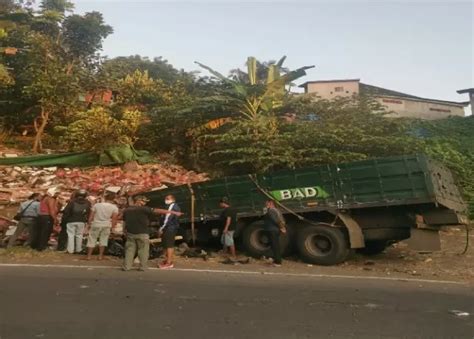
(401, 104)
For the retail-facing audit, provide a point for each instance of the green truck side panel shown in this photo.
(393, 181)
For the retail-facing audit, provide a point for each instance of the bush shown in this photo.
(98, 129)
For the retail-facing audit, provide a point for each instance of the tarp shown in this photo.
(113, 156)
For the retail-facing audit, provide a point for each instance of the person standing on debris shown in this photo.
(76, 215)
(274, 224)
(48, 217)
(28, 213)
(229, 218)
(169, 230)
(136, 221)
(101, 221)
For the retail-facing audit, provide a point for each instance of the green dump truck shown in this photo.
(331, 210)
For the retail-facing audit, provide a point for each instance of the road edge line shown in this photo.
(287, 274)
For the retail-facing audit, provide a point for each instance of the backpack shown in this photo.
(78, 210)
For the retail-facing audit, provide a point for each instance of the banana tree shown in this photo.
(259, 96)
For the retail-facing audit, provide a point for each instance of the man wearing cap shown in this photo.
(29, 214)
(136, 227)
(229, 218)
(48, 217)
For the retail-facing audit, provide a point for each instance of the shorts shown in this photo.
(227, 239)
(168, 238)
(102, 233)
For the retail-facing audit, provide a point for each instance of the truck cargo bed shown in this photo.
(392, 181)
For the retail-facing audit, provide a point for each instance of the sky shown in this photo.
(422, 48)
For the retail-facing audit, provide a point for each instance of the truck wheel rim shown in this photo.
(318, 245)
(260, 240)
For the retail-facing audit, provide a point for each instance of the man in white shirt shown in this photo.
(102, 219)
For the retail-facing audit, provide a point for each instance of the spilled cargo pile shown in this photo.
(17, 183)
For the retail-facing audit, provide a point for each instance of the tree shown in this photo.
(157, 68)
(451, 141)
(258, 96)
(262, 70)
(252, 137)
(54, 90)
(83, 36)
(99, 129)
(55, 65)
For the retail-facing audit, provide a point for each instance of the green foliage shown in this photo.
(451, 141)
(257, 96)
(98, 129)
(344, 129)
(55, 64)
(5, 77)
(60, 6)
(158, 68)
(139, 90)
(83, 34)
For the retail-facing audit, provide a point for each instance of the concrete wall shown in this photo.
(420, 109)
(330, 90)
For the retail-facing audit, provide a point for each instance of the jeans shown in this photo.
(24, 224)
(41, 232)
(75, 231)
(275, 245)
(136, 243)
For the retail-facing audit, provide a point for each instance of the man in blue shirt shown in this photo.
(169, 230)
(28, 211)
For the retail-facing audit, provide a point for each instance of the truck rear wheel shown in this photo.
(257, 243)
(322, 245)
(373, 247)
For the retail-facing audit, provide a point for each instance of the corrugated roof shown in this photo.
(379, 91)
(324, 81)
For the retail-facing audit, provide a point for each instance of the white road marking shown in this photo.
(286, 274)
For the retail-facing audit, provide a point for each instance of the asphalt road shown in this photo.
(67, 303)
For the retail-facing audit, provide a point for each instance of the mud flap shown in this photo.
(424, 240)
(356, 237)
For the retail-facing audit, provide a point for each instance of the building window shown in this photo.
(339, 89)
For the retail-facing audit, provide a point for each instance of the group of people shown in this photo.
(39, 214)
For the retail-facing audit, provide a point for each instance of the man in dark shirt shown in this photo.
(169, 230)
(229, 218)
(76, 215)
(274, 224)
(136, 227)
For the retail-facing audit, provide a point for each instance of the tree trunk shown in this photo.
(40, 124)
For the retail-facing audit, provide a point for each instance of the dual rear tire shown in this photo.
(322, 245)
(318, 244)
(256, 241)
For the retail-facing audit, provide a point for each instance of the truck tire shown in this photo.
(322, 245)
(256, 242)
(373, 247)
